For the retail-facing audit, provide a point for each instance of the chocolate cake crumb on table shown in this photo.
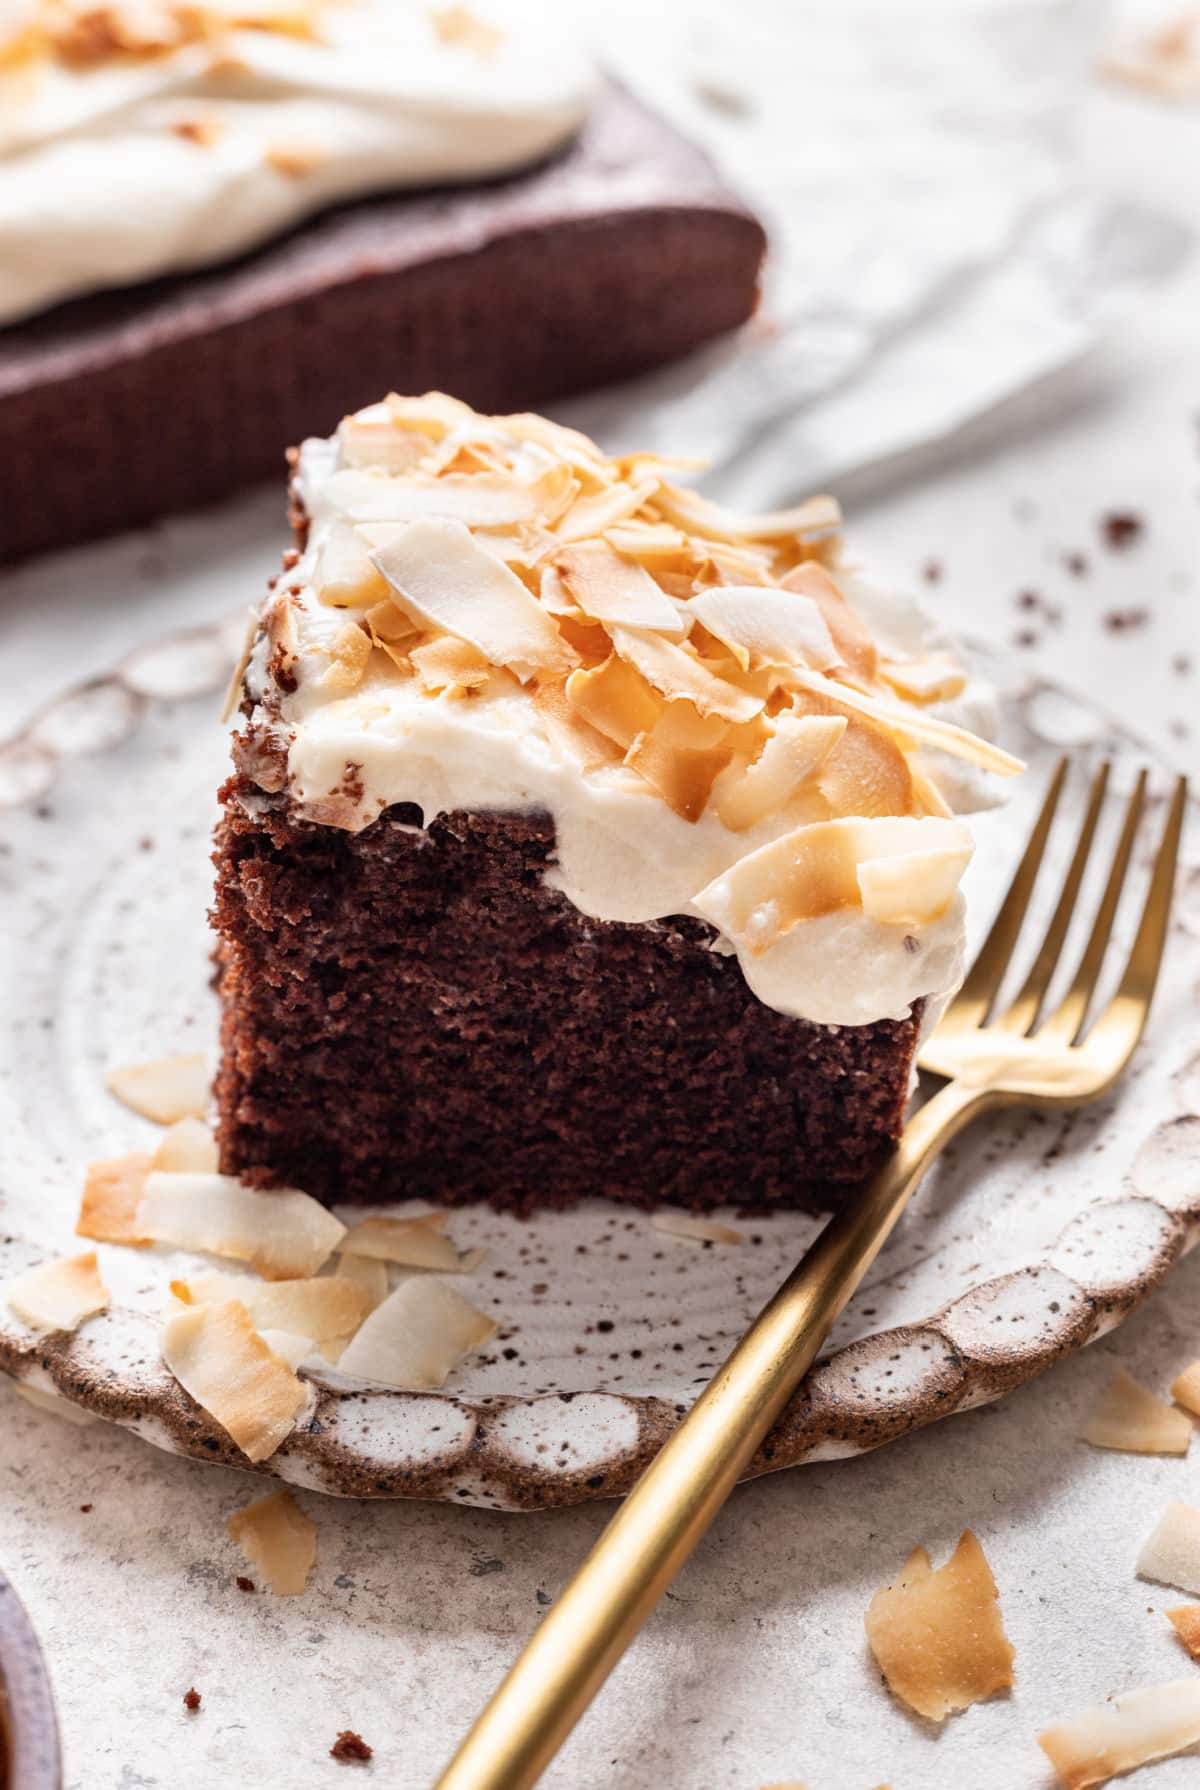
(582, 838)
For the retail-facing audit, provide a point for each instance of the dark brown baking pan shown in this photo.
(622, 252)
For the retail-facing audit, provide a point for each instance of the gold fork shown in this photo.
(1017, 1057)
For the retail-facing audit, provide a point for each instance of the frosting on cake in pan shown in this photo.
(145, 137)
(721, 717)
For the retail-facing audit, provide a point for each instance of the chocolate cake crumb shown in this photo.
(1181, 664)
(86, 1509)
(191, 1700)
(1026, 637)
(349, 1747)
(1120, 621)
(243, 1583)
(911, 945)
(1077, 564)
(1121, 528)
(1028, 599)
(931, 571)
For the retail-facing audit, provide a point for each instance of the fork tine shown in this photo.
(1021, 1016)
(971, 1004)
(1066, 1022)
(1124, 1019)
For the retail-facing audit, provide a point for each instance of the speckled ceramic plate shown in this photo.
(1034, 1236)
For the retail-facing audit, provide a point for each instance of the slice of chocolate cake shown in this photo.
(583, 836)
(222, 227)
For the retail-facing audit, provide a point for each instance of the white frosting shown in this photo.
(622, 853)
(99, 188)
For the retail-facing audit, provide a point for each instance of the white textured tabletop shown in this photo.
(755, 1669)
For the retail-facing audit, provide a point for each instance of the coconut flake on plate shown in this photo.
(167, 1089)
(369, 1275)
(1128, 1417)
(282, 1233)
(1120, 1735)
(58, 1295)
(448, 582)
(1170, 1555)
(694, 1229)
(938, 1637)
(410, 1242)
(219, 1358)
(187, 1148)
(112, 1193)
(328, 1306)
(276, 1537)
(417, 1337)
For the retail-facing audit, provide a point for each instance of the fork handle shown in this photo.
(676, 1500)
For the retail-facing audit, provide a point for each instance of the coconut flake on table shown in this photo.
(938, 1637)
(276, 1537)
(1120, 1735)
(1170, 1555)
(1128, 1417)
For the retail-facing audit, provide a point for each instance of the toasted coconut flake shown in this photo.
(799, 744)
(1171, 1553)
(112, 1194)
(761, 626)
(695, 1230)
(59, 1295)
(593, 512)
(656, 545)
(934, 679)
(568, 728)
(417, 1336)
(927, 797)
(368, 1275)
(682, 726)
(388, 625)
(1185, 1619)
(1127, 1732)
(289, 1348)
(330, 1305)
(1129, 1418)
(345, 577)
(676, 672)
(682, 775)
(349, 651)
(473, 500)
(432, 414)
(465, 30)
(220, 1359)
(554, 595)
(283, 1234)
(818, 515)
(568, 445)
(374, 438)
(851, 637)
(942, 734)
(819, 868)
(608, 588)
(446, 662)
(276, 1537)
(165, 1090)
(866, 774)
(938, 1636)
(913, 887)
(614, 699)
(413, 1242)
(1185, 1389)
(441, 576)
(187, 1148)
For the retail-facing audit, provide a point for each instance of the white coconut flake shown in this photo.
(1129, 1731)
(282, 1233)
(59, 1295)
(167, 1089)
